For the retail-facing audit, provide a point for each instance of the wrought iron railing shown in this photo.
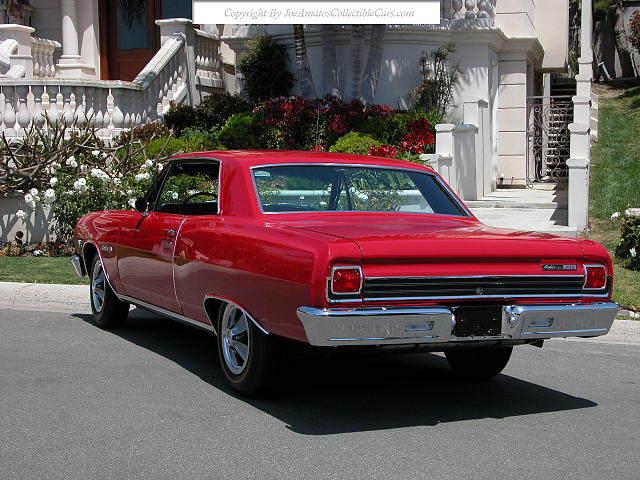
(548, 138)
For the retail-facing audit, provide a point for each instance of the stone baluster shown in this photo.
(470, 5)
(81, 112)
(457, 9)
(89, 106)
(53, 112)
(23, 117)
(175, 65)
(50, 63)
(37, 54)
(9, 114)
(486, 9)
(68, 112)
(117, 117)
(38, 112)
(127, 107)
(99, 103)
(138, 107)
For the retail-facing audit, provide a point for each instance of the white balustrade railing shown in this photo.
(453, 10)
(42, 51)
(108, 106)
(207, 58)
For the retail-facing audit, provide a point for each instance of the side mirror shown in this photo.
(141, 205)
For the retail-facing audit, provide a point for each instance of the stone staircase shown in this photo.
(542, 208)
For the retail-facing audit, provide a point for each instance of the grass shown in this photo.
(615, 181)
(39, 270)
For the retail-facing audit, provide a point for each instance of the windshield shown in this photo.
(321, 188)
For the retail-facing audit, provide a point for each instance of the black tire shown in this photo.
(479, 363)
(248, 356)
(108, 310)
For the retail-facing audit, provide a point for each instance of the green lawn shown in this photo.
(39, 270)
(615, 181)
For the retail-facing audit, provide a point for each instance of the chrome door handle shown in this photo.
(170, 233)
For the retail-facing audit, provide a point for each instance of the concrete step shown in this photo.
(527, 219)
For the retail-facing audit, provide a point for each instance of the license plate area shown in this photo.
(482, 321)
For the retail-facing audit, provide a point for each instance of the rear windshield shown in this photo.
(322, 188)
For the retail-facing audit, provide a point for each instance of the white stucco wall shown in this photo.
(517, 18)
(512, 116)
(47, 21)
(552, 28)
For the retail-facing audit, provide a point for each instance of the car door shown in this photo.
(147, 246)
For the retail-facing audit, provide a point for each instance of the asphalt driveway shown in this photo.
(149, 401)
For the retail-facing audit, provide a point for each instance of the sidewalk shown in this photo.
(75, 299)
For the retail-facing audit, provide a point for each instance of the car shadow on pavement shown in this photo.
(323, 396)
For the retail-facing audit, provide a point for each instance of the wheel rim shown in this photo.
(235, 340)
(98, 281)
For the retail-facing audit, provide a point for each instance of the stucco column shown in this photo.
(70, 64)
(586, 37)
(69, 28)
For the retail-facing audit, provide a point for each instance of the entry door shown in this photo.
(129, 47)
(126, 49)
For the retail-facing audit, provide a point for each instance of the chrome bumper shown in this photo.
(395, 326)
(78, 265)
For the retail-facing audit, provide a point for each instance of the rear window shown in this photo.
(325, 188)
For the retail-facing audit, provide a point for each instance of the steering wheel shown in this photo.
(208, 194)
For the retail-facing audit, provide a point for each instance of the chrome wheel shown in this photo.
(235, 339)
(98, 281)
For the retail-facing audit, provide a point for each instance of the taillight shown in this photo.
(346, 280)
(595, 277)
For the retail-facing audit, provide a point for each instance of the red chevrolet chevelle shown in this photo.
(266, 248)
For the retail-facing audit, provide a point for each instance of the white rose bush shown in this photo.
(628, 247)
(76, 173)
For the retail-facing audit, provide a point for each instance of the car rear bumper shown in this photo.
(414, 325)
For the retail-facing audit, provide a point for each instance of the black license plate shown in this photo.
(478, 321)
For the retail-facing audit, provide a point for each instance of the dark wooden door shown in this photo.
(126, 49)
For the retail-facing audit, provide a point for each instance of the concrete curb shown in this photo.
(75, 299)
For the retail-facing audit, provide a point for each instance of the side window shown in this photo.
(190, 189)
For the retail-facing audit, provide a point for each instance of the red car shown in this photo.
(336, 251)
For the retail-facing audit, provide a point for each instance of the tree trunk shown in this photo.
(329, 61)
(374, 64)
(354, 85)
(305, 79)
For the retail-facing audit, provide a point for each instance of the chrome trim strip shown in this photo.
(480, 297)
(380, 338)
(543, 276)
(568, 331)
(166, 313)
(446, 187)
(373, 311)
(226, 300)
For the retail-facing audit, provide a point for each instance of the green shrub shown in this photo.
(356, 143)
(216, 108)
(263, 67)
(239, 131)
(180, 116)
(143, 133)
